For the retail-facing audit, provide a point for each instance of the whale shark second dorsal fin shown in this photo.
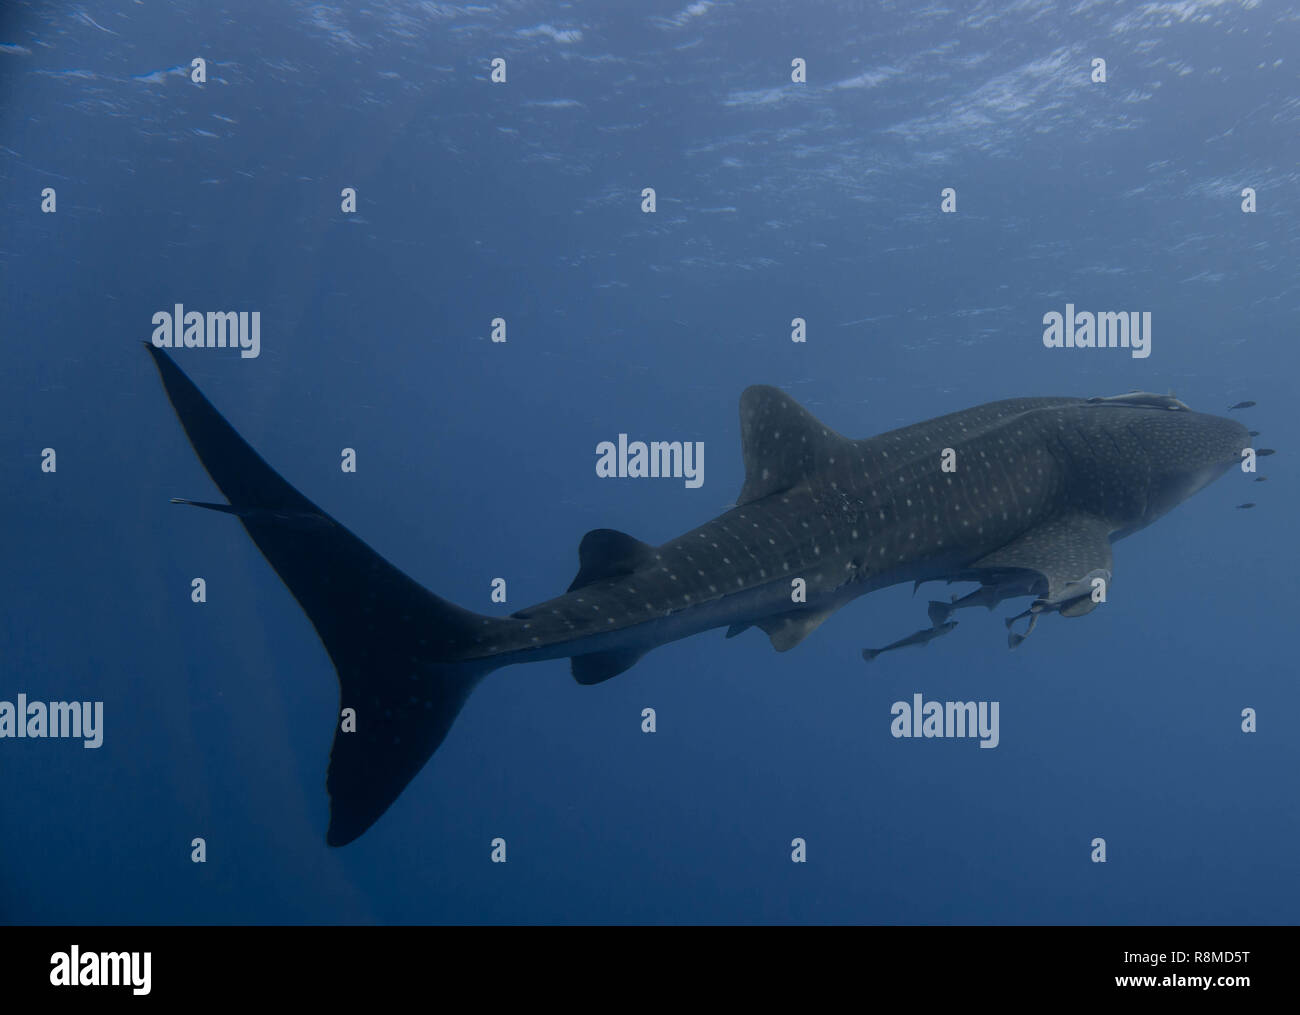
(608, 553)
(783, 443)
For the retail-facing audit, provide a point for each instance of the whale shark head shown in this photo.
(1188, 451)
(1173, 451)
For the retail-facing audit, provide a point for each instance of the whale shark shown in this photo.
(1024, 496)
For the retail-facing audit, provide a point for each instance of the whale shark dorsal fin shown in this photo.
(1068, 551)
(608, 553)
(782, 442)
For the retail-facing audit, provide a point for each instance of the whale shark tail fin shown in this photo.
(406, 659)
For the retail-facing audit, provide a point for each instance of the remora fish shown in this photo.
(922, 637)
(985, 595)
(1042, 487)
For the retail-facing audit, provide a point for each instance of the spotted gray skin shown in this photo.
(1040, 489)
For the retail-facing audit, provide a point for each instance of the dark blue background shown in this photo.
(477, 460)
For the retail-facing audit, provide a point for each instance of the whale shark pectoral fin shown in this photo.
(1067, 552)
(737, 628)
(787, 630)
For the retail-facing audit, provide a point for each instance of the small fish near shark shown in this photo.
(1038, 491)
(922, 637)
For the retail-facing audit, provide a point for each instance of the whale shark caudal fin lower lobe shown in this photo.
(396, 646)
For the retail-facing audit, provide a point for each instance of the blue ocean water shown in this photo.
(523, 200)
